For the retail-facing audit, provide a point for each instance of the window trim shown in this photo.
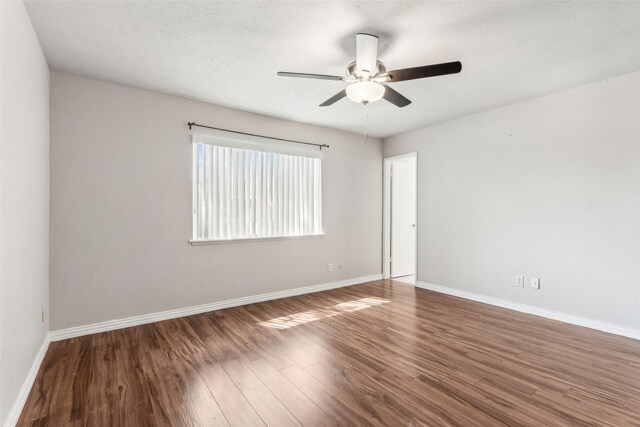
(193, 242)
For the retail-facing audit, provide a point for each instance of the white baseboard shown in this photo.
(111, 325)
(16, 409)
(542, 312)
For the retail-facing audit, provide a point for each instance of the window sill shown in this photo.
(253, 239)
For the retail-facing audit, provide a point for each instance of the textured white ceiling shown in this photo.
(228, 53)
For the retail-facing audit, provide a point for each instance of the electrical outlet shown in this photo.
(330, 267)
(535, 283)
(520, 281)
(340, 266)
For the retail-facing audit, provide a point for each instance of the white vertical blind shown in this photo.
(244, 193)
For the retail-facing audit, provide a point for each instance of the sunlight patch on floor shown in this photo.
(322, 313)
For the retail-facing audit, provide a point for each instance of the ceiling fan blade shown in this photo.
(335, 98)
(366, 53)
(308, 76)
(395, 97)
(424, 71)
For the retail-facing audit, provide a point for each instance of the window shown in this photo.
(251, 187)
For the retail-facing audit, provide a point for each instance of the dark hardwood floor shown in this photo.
(381, 353)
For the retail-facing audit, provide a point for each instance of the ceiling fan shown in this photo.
(367, 76)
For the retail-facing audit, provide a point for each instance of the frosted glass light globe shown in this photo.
(365, 91)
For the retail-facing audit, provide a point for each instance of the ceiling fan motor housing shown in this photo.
(352, 72)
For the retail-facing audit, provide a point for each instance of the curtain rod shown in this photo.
(321, 146)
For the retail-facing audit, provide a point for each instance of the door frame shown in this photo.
(386, 214)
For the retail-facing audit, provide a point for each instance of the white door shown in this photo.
(403, 217)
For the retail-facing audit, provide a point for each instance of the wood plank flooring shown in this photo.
(381, 353)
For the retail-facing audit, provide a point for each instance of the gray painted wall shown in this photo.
(547, 188)
(24, 200)
(121, 207)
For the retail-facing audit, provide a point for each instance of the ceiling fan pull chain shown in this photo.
(365, 137)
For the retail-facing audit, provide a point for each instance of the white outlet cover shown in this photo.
(520, 281)
(535, 282)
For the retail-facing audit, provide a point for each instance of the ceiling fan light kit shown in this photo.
(365, 91)
(367, 74)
